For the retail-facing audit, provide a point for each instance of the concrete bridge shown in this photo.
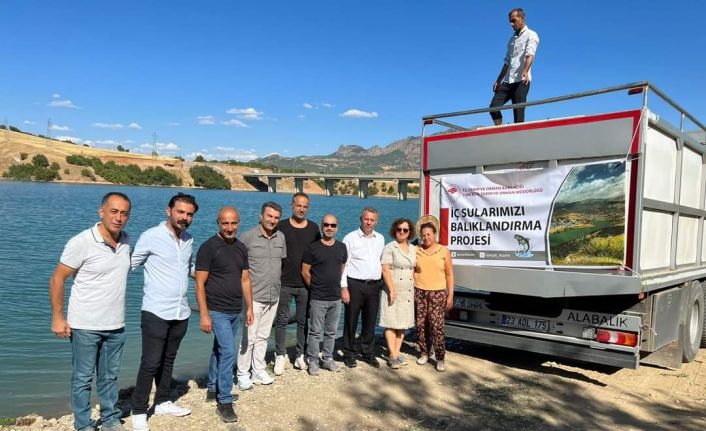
(330, 181)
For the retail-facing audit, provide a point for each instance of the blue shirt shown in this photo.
(167, 263)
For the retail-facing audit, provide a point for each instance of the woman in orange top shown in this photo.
(433, 290)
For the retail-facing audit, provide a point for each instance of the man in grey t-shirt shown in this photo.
(98, 259)
(266, 248)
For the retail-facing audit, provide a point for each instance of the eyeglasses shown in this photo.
(329, 224)
(402, 229)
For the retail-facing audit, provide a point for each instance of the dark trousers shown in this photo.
(284, 318)
(365, 300)
(160, 342)
(517, 92)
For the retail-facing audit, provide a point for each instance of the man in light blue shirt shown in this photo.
(165, 251)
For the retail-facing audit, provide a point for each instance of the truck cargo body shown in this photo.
(577, 237)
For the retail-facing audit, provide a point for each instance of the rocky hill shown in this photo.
(399, 156)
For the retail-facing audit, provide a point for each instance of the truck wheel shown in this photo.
(703, 325)
(693, 328)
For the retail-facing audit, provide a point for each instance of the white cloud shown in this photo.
(327, 105)
(28, 122)
(56, 96)
(206, 119)
(134, 126)
(235, 123)
(162, 148)
(308, 106)
(128, 142)
(111, 126)
(59, 128)
(174, 124)
(603, 188)
(356, 113)
(62, 104)
(73, 139)
(246, 113)
(301, 116)
(225, 153)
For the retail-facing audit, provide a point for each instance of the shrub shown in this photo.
(67, 171)
(209, 178)
(40, 161)
(23, 156)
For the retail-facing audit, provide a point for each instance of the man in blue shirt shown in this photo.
(165, 251)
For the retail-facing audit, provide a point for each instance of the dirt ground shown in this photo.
(483, 389)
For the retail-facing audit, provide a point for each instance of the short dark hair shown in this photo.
(398, 222)
(430, 225)
(269, 204)
(118, 194)
(300, 195)
(183, 197)
(519, 11)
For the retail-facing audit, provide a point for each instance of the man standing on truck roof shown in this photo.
(513, 82)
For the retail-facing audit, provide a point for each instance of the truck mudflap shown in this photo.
(580, 335)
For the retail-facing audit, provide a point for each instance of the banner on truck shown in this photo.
(564, 216)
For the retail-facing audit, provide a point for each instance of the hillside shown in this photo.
(399, 156)
(19, 148)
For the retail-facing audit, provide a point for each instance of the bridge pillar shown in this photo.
(363, 188)
(402, 189)
(329, 186)
(299, 185)
(272, 185)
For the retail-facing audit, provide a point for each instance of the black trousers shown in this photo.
(517, 92)
(284, 317)
(365, 301)
(160, 342)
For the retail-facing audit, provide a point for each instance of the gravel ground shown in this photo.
(483, 389)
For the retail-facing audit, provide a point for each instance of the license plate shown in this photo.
(525, 323)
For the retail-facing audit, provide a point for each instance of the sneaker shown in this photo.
(279, 365)
(300, 363)
(139, 422)
(171, 409)
(211, 396)
(402, 361)
(394, 363)
(313, 368)
(244, 382)
(262, 378)
(372, 361)
(440, 366)
(226, 412)
(331, 365)
(350, 362)
(117, 426)
(423, 359)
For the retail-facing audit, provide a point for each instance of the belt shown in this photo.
(366, 281)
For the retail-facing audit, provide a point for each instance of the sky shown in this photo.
(245, 79)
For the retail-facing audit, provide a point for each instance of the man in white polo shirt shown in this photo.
(98, 259)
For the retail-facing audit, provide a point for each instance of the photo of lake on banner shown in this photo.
(588, 220)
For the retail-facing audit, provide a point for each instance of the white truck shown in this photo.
(579, 237)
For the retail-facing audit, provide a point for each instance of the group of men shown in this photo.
(255, 275)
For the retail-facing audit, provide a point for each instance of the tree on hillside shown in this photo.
(207, 177)
(40, 160)
(199, 158)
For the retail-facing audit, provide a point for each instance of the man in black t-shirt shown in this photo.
(298, 234)
(322, 267)
(222, 281)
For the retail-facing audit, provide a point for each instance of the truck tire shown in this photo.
(703, 325)
(693, 328)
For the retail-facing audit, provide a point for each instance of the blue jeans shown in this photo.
(323, 316)
(220, 366)
(98, 351)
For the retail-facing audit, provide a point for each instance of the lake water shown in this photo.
(35, 366)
